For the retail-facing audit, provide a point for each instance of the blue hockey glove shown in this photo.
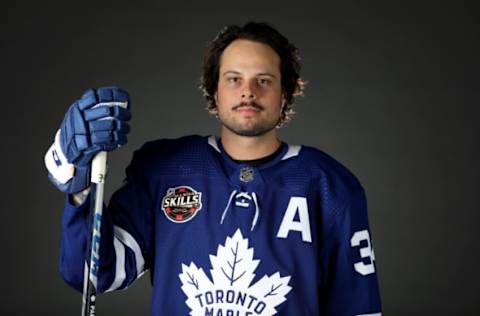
(97, 122)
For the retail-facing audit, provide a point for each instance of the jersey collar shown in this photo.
(286, 151)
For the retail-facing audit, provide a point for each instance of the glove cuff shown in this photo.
(65, 176)
(77, 184)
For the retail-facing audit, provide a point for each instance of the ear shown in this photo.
(284, 101)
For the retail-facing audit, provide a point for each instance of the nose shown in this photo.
(248, 92)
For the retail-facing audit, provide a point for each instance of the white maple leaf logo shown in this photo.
(230, 293)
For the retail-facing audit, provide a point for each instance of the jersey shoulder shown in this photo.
(186, 155)
(328, 170)
(181, 145)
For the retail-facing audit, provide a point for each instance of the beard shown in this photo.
(257, 128)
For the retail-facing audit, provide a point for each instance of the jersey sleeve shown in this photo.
(350, 286)
(126, 235)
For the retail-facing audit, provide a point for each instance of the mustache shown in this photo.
(250, 104)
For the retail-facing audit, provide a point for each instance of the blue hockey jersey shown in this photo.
(287, 237)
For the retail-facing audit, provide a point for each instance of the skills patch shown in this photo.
(181, 204)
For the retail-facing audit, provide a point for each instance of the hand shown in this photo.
(97, 122)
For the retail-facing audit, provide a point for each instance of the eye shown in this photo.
(233, 79)
(263, 82)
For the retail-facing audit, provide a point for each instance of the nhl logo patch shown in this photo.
(247, 174)
(181, 204)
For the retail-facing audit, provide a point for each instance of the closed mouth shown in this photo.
(249, 107)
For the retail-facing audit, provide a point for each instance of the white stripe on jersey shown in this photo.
(119, 266)
(212, 141)
(131, 243)
(121, 239)
(293, 151)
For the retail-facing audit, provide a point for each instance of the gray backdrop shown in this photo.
(392, 94)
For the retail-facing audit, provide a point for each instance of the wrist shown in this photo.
(80, 197)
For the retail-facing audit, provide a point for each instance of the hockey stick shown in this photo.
(99, 163)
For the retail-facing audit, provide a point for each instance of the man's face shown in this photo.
(249, 93)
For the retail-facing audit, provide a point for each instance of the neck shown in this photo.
(249, 148)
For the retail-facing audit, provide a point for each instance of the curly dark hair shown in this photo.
(290, 65)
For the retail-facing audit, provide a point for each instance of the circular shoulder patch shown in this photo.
(181, 204)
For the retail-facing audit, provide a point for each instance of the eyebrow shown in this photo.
(266, 74)
(234, 72)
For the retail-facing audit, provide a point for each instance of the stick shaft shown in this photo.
(98, 172)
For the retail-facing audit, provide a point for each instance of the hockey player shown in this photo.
(244, 224)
